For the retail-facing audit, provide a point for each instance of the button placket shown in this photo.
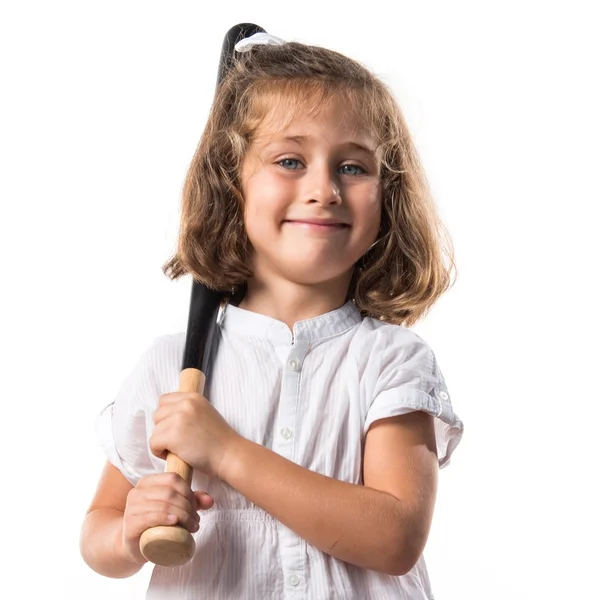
(293, 364)
(286, 432)
(288, 401)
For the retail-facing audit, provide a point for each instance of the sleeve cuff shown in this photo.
(448, 427)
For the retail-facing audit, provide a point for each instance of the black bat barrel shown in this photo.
(204, 303)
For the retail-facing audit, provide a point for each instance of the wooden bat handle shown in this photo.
(173, 545)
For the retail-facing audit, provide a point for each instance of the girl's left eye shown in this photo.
(289, 163)
(351, 170)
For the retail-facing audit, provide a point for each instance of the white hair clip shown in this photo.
(258, 39)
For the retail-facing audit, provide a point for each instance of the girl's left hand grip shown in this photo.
(173, 545)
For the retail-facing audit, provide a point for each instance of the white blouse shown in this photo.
(311, 396)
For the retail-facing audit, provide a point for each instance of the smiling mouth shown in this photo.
(323, 226)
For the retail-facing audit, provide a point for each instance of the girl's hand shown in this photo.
(161, 499)
(187, 425)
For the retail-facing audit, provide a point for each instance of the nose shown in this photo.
(321, 186)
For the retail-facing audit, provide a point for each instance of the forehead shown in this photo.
(317, 114)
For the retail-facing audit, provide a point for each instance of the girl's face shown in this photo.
(312, 196)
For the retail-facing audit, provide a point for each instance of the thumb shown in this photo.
(203, 500)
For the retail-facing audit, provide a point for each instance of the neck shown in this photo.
(291, 302)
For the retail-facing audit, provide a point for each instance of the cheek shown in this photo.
(266, 200)
(254, 202)
(254, 221)
(261, 215)
(371, 208)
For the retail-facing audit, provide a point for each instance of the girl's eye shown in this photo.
(289, 163)
(351, 170)
(293, 164)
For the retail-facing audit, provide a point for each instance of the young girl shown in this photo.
(316, 459)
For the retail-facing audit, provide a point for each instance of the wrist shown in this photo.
(129, 552)
(233, 459)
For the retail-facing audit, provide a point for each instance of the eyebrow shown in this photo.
(300, 139)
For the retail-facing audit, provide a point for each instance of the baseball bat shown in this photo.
(173, 545)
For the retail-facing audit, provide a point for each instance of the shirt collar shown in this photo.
(245, 322)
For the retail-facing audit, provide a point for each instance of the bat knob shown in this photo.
(167, 546)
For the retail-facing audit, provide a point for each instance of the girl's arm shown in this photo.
(382, 525)
(102, 531)
(120, 513)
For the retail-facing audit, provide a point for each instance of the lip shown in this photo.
(325, 223)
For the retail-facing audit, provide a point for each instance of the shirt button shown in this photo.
(293, 364)
(286, 433)
(443, 396)
(294, 579)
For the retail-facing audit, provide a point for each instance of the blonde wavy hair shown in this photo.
(411, 264)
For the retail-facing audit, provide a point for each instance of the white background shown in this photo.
(102, 105)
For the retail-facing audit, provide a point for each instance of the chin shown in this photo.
(316, 274)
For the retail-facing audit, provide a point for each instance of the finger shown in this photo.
(155, 513)
(168, 487)
(169, 398)
(177, 402)
(176, 486)
(159, 440)
(167, 405)
(203, 500)
(162, 412)
(174, 397)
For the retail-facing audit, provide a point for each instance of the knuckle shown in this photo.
(172, 479)
(187, 406)
(155, 518)
(191, 524)
(133, 498)
(171, 493)
(164, 508)
(143, 482)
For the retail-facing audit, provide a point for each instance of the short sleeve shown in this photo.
(124, 426)
(410, 379)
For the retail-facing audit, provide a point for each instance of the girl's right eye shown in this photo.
(289, 163)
